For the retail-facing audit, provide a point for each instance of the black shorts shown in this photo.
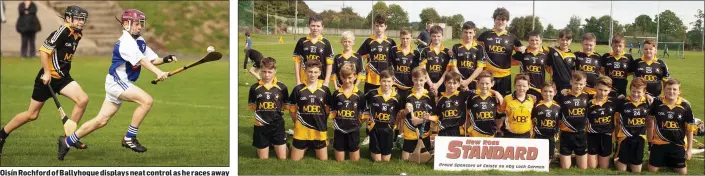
(450, 131)
(304, 144)
(573, 143)
(551, 144)
(503, 85)
(410, 145)
(269, 134)
(630, 150)
(369, 87)
(41, 92)
(381, 139)
(599, 144)
(255, 56)
(667, 155)
(346, 142)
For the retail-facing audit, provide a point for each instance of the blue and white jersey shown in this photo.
(127, 54)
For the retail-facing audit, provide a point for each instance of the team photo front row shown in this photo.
(465, 91)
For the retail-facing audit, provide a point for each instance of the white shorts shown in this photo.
(114, 87)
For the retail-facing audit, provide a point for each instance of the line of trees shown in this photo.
(672, 28)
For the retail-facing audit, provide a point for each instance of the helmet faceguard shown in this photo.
(76, 13)
(132, 16)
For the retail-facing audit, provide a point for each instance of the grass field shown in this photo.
(689, 71)
(187, 125)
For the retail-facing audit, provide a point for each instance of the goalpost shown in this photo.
(674, 49)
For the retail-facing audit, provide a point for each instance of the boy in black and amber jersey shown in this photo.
(436, 59)
(600, 115)
(517, 107)
(377, 51)
(268, 99)
(346, 107)
(588, 61)
(402, 62)
(652, 69)
(671, 121)
(482, 108)
(630, 116)
(545, 118)
(308, 106)
(450, 107)
(56, 55)
(468, 58)
(532, 61)
(347, 57)
(499, 45)
(313, 47)
(422, 103)
(561, 60)
(616, 64)
(382, 105)
(573, 121)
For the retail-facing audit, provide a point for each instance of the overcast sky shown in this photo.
(555, 12)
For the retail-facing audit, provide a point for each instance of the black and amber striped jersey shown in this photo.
(518, 113)
(671, 123)
(402, 63)
(482, 113)
(600, 116)
(340, 60)
(468, 57)
(435, 61)
(573, 109)
(617, 67)
(545, 117)
(534, 64)
(377, 53)
(306, 50)
(653, 72)
(61, 45)
(346, 110)
(499, 47)
(450, 109)
(631, 116)
(382, 110)
(423, 103)
(268, 102)
(310, 106)
(562, 65)
(590, 63)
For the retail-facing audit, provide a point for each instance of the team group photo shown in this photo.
(383, 95)
(112, 76)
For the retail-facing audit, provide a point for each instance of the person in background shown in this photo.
(2, 13)
(28, 26)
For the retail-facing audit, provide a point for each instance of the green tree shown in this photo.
(574, 25)
(644, 24)
(455, 22)
(398, 18)
(428, 15)
(671, 28)
(379, 8)
(550, 32)
(694, 36)
(521, 26)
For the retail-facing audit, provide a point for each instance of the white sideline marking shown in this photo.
(155, 100)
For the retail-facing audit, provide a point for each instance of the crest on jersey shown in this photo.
(474, 105)
(648, 70)
(303, 98)
(657, 70)
(259, 95)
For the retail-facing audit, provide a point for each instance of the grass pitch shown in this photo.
(187, 126)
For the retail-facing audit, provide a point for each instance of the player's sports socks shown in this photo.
(71, 140)
(3, 134)
(131, 132)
